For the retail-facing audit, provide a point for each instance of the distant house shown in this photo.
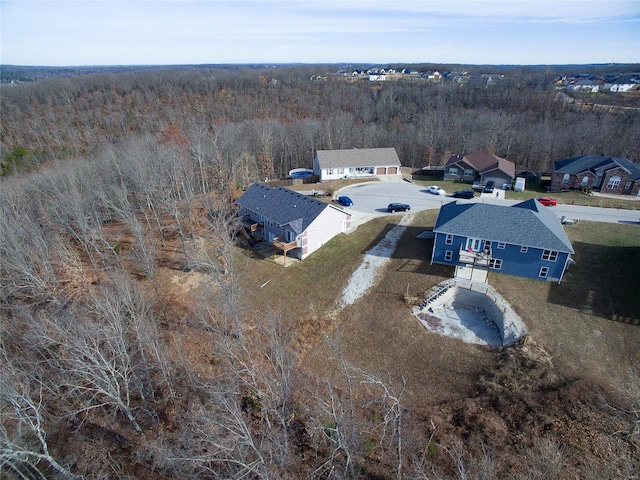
(614, 175)
(622, 83)
(584, 85)
(484, 165)
(525, 240)
(355, 162)
(294, 223)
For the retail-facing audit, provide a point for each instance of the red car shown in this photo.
(548, 201)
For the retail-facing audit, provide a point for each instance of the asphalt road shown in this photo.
(373, 198)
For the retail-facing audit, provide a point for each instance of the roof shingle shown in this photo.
(527, 224)
(282, 206)
(358, 157)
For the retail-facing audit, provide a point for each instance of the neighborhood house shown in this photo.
(480, 166)
(294, 223)
(525, 240)
(603, 174)
(355, 162)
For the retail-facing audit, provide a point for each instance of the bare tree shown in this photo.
(106, 354)
(24, 447)
(391, 425)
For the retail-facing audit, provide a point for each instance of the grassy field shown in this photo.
(589, 324)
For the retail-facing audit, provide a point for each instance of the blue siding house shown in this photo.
(525, 239)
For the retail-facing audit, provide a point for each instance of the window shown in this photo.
(495, 263)
(448, 255)
(341, 171)
(501, 245)
(585, 181)
(549, 255)
(449, 239)
(290, 236)
(544, 271)
(614, 182)
(565, 178)
(627, 186)
(468, 172)
(453, 171)
(524, 249)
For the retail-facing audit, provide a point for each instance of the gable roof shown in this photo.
(283, 206)
(484, 162)
(584, 163)
(528, 224)
(358, 157)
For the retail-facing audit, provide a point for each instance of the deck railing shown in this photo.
(478, 259)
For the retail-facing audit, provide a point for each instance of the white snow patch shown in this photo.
(364, 277)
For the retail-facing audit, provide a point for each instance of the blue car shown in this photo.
(345, 201)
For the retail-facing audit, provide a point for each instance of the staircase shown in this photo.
(441, 290)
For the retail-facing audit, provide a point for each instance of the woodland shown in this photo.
(111, 179)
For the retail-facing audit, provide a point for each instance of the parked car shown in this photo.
(464, 194)
(345, 201)
(548, 201)
(436, 190)
(398, 207)
(489, 187)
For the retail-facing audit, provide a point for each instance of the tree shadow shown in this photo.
(415, 252)
(603, 282)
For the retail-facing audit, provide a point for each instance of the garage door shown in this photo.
(392, 170)
(381, 171)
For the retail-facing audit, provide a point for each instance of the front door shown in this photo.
(474, 244)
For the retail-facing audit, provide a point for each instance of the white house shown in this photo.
(355, 162)
(294, 223)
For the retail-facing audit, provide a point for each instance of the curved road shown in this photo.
(373, 198)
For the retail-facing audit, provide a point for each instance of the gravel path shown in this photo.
(364, 277)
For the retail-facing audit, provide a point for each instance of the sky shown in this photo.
(176, 32)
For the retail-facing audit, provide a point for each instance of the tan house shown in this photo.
(295, 224)
(355, 162)
(480, 166)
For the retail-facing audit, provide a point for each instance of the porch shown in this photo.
(476, 259)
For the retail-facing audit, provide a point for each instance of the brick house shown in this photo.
(614, 175)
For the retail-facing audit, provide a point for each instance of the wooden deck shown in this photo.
(284, 246)
(477, 259)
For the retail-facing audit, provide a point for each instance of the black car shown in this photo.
(464, 194)
(398, 207)
(489, 187)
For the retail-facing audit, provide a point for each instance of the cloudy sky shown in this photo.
(144, 32)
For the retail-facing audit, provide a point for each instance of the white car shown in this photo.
(436, 190)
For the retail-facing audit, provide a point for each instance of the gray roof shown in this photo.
(282, 206)
(358, 157)
(528, 224)
(592, 162)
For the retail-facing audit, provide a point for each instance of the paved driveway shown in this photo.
(371, 199)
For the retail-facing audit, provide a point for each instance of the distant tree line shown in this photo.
(275, 118)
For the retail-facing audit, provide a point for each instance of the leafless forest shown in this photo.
(109, 179)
